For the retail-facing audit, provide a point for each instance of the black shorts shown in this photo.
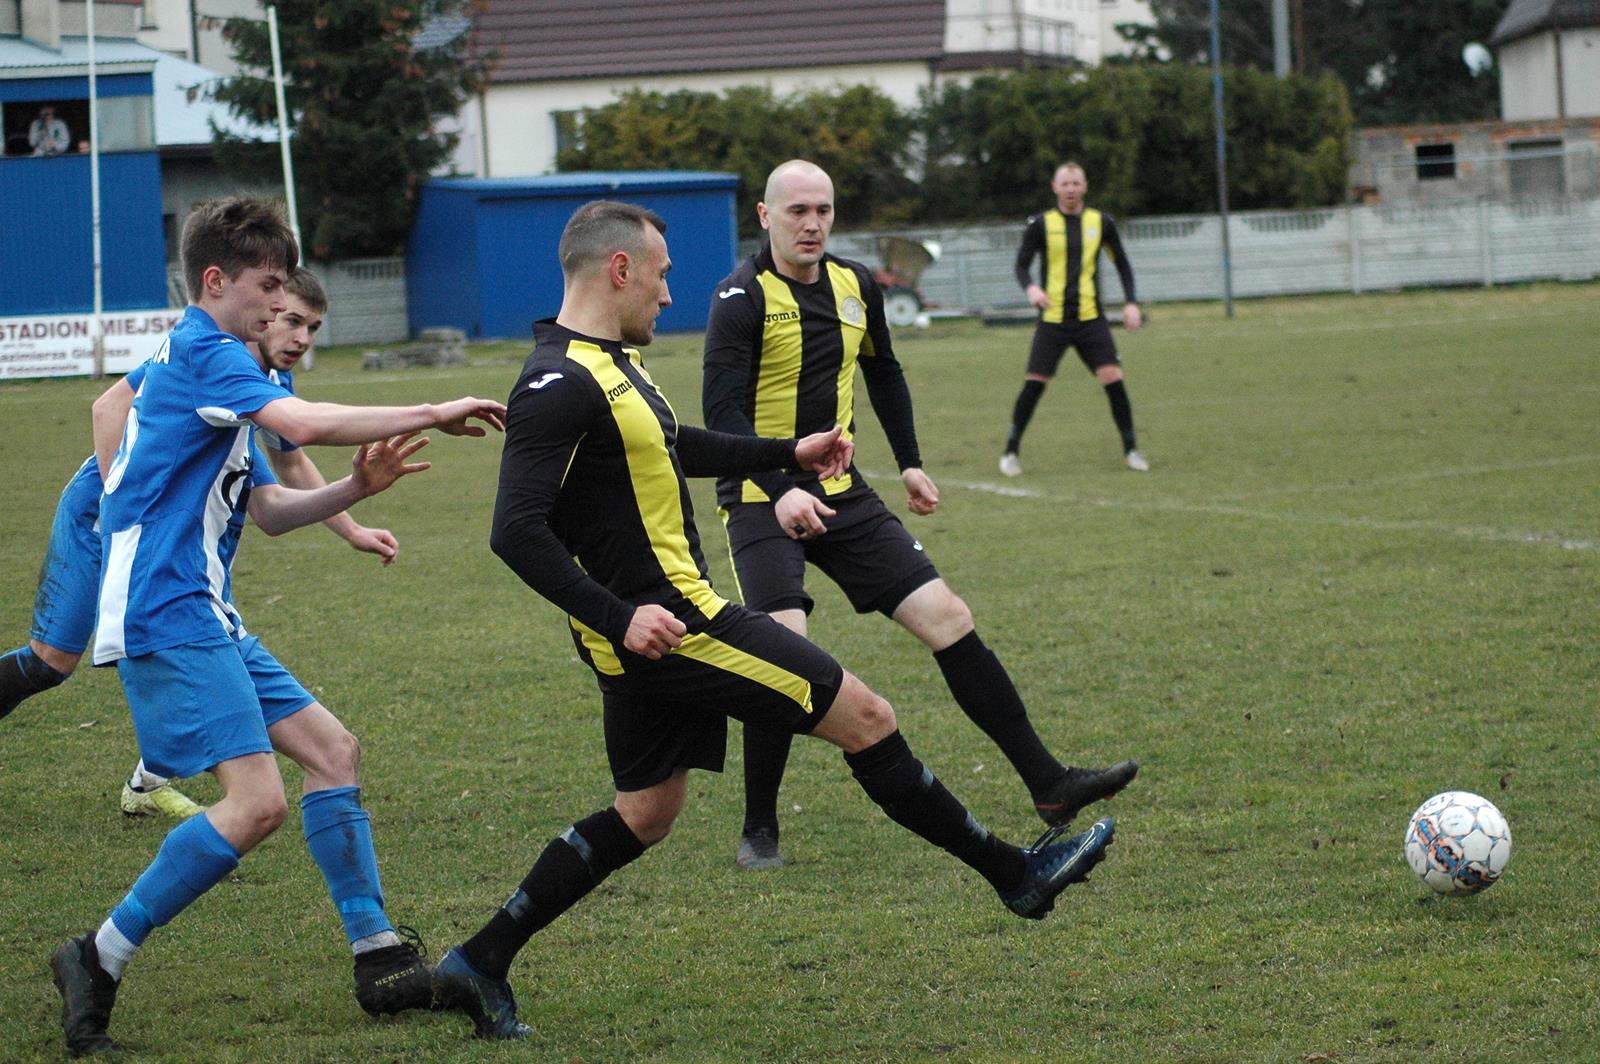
(866, 551)
(673, 713)
(1091, 339)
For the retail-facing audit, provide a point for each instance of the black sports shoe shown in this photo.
(758, 850)
(490, 1003)
(1053, 866)
(394, 978)
(87, 994)
(1081, 786)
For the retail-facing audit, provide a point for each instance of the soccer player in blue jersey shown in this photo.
(64, 608)
(204, 694)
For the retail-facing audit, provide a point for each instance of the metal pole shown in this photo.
(1222, 155)
(283, 122)
(1280, 38)
(94, 205)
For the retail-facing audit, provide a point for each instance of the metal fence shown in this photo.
(366, 300)
(1333, 249)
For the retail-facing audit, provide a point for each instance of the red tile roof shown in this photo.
(539, 40)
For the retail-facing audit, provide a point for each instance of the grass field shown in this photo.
(1363, 569)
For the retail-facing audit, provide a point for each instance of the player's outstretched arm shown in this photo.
(109, 416)
(295, 469)
(276, 509)
(827, 454)
(334, 423)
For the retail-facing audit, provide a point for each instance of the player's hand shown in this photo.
(827, 454)
(377, 541)
(455, 418)
(922, 495)
(1038, 297)
(800, 514)
(377, 466)
(653, 632)
(1131, 318)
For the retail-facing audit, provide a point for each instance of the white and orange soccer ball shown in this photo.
(1458, 843)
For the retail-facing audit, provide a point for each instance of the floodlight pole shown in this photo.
(94, 205)
(1222, 155)
(283, 120)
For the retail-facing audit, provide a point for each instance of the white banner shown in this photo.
(63, 345)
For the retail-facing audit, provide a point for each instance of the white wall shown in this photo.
(1063, 28)
(166, 28)
(1114, 12)
(1528, 75)
(1580, 70)
(521, 133)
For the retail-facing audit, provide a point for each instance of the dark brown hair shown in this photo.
(235, 234)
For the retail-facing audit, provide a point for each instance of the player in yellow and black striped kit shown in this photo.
(593, 513)
(788, 330)
(1070, 237)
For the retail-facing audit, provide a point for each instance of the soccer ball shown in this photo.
(1458, 843)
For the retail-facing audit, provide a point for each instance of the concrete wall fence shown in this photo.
(1333, 249)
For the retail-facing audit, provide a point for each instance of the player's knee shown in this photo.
(266, 813)
(60, 660)
(955, 617)
(650, 823)
(865, 715)
(344, 755)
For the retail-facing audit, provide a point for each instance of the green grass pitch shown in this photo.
(1363, 569)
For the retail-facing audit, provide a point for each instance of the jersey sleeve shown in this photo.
(733, 335)
(886, 380)
(543, 428)
(135, 376)
(229, 386)
(260, 469)
(1032, 245)
(1111, 240)
(707, 453)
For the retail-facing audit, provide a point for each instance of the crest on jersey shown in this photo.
(852, 310)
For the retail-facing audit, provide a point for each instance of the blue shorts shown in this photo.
(69, 580)
(195, 707)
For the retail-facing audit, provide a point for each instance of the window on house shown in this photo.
(1436, 162)
(1536, 168)
(569, 131)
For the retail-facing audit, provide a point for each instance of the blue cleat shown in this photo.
(458, 985)
(1053, 866)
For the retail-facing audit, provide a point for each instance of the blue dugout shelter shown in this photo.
(46, 247)
(482, 257)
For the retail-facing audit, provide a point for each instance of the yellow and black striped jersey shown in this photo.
(781, 358)
(593, 510)
(1071, 245)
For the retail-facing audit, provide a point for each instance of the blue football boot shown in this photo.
(458, 985)
(1053, 866)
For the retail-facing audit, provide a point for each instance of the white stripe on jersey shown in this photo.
(109, 640)
(219, 416)
(220, 503)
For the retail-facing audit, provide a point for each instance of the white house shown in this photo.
(1549, 54)
(555, 57)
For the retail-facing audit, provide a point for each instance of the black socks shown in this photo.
(1022, 413)
(766, 752)
(571, 866)
(24, 673)
(1121, 413)
(915, 799)
(984, 691)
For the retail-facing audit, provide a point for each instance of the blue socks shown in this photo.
(22, 673)
(339, 835)
(193, 858)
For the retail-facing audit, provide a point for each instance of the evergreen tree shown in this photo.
(1401, 63)
(366, 82)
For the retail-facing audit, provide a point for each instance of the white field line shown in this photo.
(1280, 326)
(1417, 477)
(1476, 533)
